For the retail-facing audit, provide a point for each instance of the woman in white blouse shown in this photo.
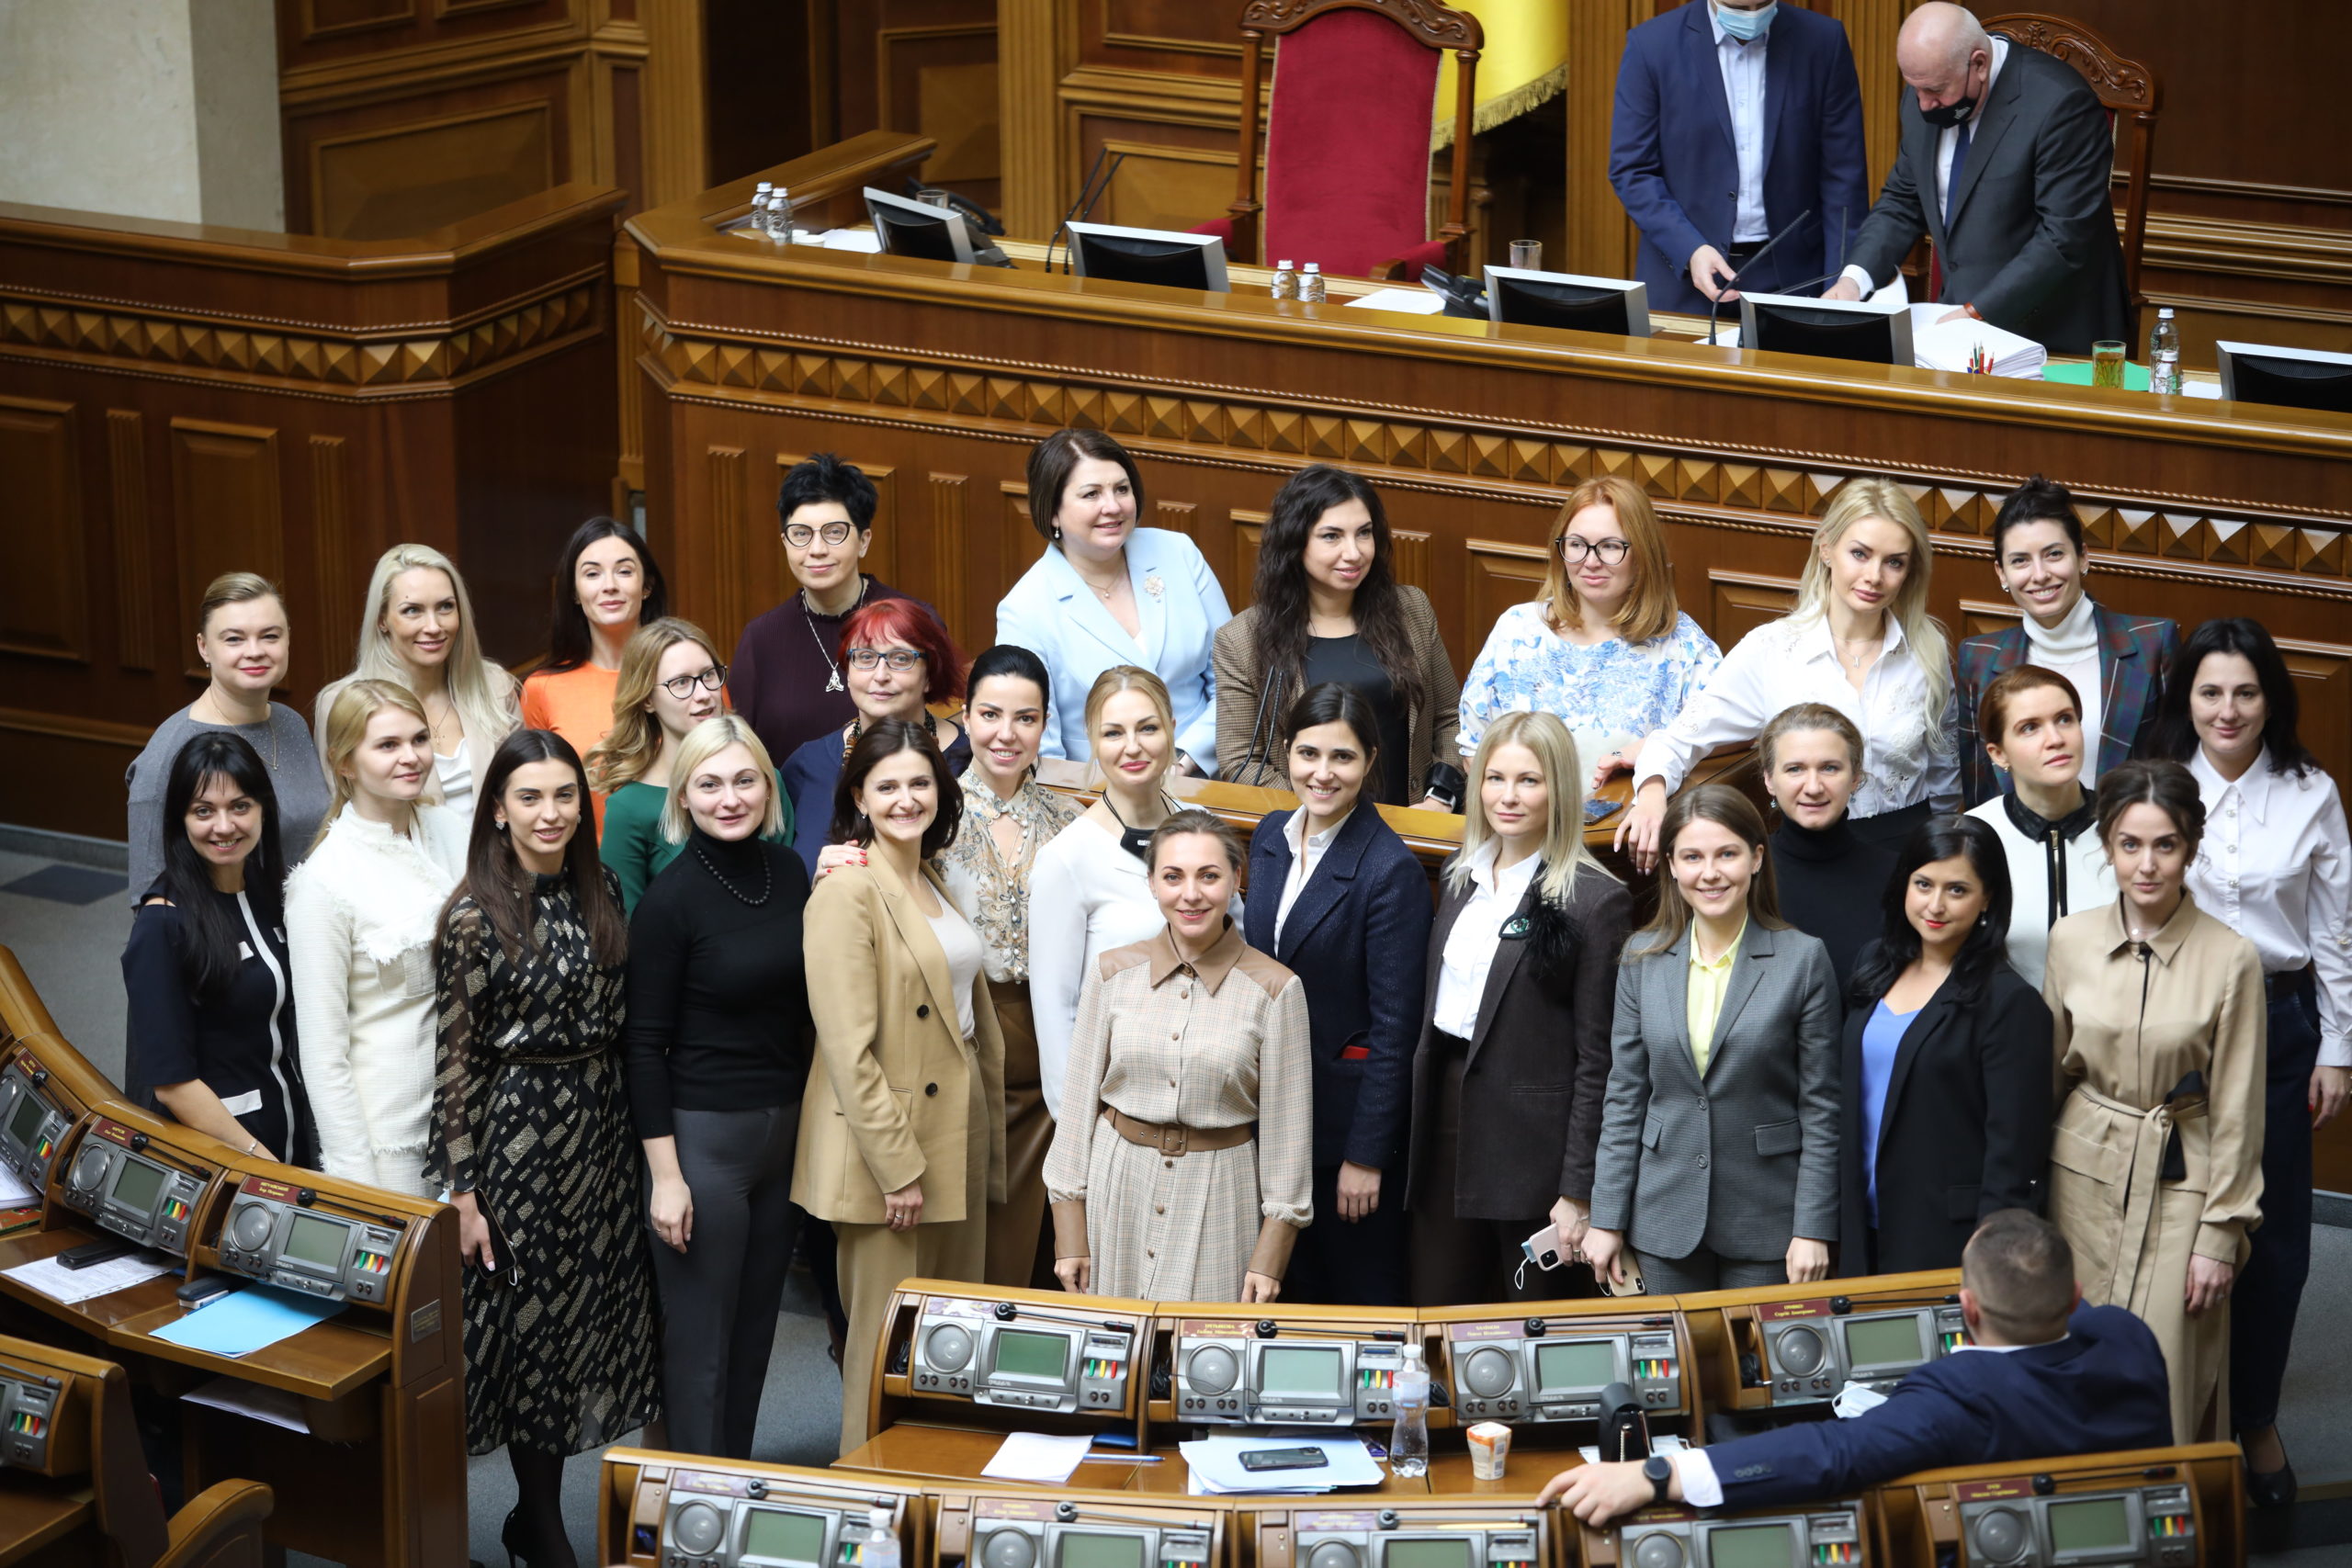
(1088, 893)
(420, 634)
(2276, 868)
(1859, 640)
(360, 914)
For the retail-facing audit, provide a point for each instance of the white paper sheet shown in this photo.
(1216, 1463)
(59, 1283)
(1939, 344)
(1036, 1456)
(15, 1193)
(1664, 1443)
(1411, 302)
(848, 240)
(259, 1401)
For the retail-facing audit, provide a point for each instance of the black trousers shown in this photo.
(720, 1297)
(1458, 1260)
(1336, 1263)
(2264, 1300)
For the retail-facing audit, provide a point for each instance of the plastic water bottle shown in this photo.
(1408, 1438)
(2164, 354)
(881, 1541)
(780, 215)
(1286, 282)
(1310, 285)
(758, 224)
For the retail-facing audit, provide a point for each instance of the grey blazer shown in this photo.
(1746, 1158)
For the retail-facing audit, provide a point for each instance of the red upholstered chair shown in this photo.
(1348, 135)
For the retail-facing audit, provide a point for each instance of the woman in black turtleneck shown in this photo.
(718, 1040)
(1831, 880)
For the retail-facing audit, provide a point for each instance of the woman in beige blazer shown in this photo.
(902, 1130)
(1329, 608)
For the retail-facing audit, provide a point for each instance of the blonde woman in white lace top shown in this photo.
(360, 913)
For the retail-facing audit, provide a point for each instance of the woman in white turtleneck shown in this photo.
(2116, 662)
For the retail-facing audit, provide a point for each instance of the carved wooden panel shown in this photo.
(735, 545)
(43, 608)
(410, 166)
(941, 82)
(1738, 602)
(326, 18)
(343, 562)
(1248, 531)
(1501, 575)
(2322, 672)
(226, 510)
(134, 569)
(1979, 616)
(950, 546)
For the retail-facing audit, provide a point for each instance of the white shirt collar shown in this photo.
(1824, 646)
(1294, 830)
(2253, 785)
(1512, 883)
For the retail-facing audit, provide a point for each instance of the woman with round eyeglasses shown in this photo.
(786, 678)
(1604, 646)
(670, 682)
(895, 658)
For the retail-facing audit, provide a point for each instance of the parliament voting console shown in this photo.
(1005, 1358)
(1300, 1366)
(663, 1510)
(1419, 1532)
(1787, 1346)
(2157, 1508)
(300, 1239)
(1817, 1536)
(1548, 1364)
(1103, 1531)
(45, 1091)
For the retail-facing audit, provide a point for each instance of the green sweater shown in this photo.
(633, 845)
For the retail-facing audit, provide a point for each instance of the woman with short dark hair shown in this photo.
(902, 1127)
(209, 1035)
(1946, 1062)
(1107, 592)
(532, 1137)
(2156, 1160)
(2276, 868)
(1329, 609)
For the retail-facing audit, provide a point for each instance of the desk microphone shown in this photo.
(1716, 305)
(1624, 1425)
(1084, 208)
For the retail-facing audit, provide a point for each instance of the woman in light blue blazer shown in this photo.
(1106, 592)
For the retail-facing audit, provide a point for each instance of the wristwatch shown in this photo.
(1658, 1470)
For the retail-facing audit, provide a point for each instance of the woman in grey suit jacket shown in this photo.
(1718, 1158)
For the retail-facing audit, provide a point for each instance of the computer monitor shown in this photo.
(1162, 256)
(918, 229)
(1617, 306)
(2292, 377)
(1830, 329)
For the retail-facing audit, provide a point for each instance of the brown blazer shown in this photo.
(1244, 709)
(890, 1100)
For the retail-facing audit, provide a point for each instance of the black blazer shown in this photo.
(1967, 1129)
(2032, 243)
(1538, 1068)
(1356, 939)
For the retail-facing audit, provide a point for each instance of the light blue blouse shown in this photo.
(1614, 690)
(1180, 606)
(1881, 1038)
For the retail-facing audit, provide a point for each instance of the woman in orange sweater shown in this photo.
(607, 585)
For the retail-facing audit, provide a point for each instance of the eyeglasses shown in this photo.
(800, 536)
(1574, 548)
(683, 686)
(899, 659)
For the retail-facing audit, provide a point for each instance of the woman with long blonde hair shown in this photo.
(670, 682)
(1861, 640)
(1514, 1037)
(361, 914)
(419, 634)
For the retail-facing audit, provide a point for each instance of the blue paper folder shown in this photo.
(246, 1320)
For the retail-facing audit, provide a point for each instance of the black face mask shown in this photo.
(1945, 116)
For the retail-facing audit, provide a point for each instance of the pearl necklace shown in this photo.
(767, 884)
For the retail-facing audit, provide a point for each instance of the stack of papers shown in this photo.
(59, 1283)
(1938, 344)
(1216, 1463)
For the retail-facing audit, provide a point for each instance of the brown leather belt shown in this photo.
(1173, 1138)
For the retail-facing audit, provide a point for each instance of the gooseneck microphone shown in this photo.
(1714, 307)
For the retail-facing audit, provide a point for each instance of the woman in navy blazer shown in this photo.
(1339, 901)
(1106, 592)
(1945, 1059)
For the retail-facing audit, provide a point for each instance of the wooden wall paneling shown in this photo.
(730, 564)
(44, 608)
(1738, 602)
(942, 82)
(1500, 574)
(1035, 44)
(134, 567)
(342, 570)
(950, 546)
(1601, 237)
(227, 511)
(1248, 529)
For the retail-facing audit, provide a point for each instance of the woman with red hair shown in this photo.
(897, 659)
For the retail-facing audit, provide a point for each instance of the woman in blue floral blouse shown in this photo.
(1605, 647)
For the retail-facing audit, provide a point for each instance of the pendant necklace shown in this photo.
(808, 609)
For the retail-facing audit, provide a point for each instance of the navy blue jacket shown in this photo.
(1359, 938)
(2100, 1390)
(1673, 161)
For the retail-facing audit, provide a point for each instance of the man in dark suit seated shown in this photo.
(2004, 163)
(2046, 1378)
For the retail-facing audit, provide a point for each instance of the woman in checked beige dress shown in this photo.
(1180, 1165)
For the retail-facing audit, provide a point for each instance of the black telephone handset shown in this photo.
(979, 217)
(1464, 296)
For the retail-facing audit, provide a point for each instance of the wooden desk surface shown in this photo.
(34, 1513)
(955, 1453)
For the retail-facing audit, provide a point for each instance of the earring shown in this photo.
(500, 822)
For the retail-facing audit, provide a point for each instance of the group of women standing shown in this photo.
(1824, 1050)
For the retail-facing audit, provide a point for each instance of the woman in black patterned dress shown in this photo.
(532, 1139)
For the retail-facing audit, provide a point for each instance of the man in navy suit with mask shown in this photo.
(1735, 118)
(2046, 1378)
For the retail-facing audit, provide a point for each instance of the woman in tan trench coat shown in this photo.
(2156, 1159)
(902, 1130)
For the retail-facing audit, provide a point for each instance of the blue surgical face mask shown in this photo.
(1746, 25)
